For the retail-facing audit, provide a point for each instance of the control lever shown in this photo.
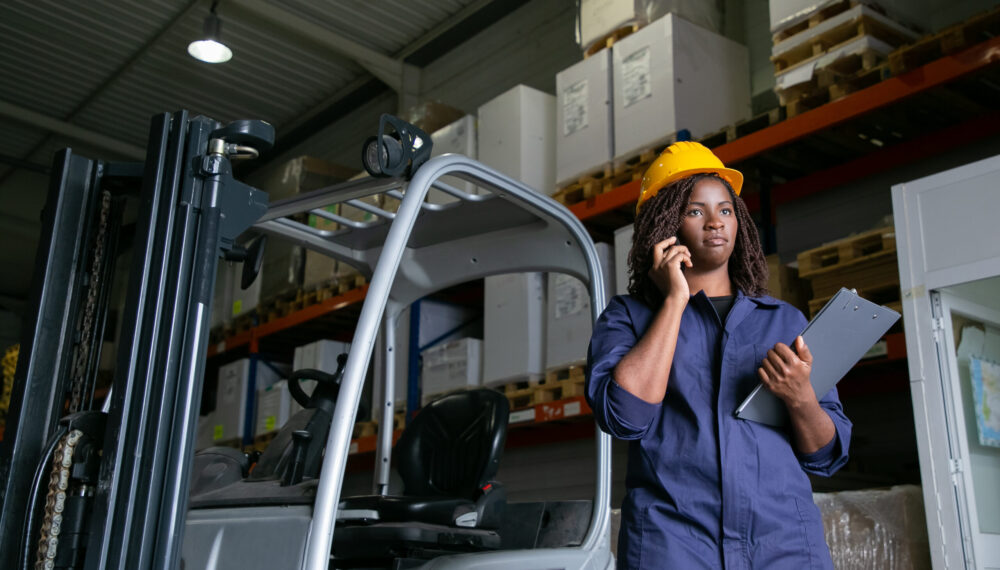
(300, 444)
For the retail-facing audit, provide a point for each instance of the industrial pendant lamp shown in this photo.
(210, 48)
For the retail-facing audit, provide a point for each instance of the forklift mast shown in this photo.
(77, 474)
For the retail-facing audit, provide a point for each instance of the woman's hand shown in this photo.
(786, 373)
(666, 273)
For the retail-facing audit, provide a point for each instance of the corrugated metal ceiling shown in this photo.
(108, 66)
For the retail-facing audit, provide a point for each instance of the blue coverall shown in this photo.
(704, 488)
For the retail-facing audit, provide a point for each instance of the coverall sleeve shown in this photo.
(617, 411)
(832, 456)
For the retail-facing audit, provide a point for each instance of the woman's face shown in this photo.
(708, 225)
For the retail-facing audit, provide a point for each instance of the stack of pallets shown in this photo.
(865, 262)
(839, 49)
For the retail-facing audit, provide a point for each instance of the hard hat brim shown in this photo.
(733, 177)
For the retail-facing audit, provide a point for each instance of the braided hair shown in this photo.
(660, 218)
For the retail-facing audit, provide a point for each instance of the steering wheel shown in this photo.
(332, 382)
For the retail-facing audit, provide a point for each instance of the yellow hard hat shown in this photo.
(684, 159)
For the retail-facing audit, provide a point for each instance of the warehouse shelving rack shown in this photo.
(962, 80)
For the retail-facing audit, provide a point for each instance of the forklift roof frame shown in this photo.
(512, 228)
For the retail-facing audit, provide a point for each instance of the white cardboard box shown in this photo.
(240, 301)
(319, 355)
(457, 138)
(517, 136)
(233, 396)
(451, 366)
(513, 328)
(205, 429)
(274, 405)
(568, 321)
(623, 244)
(584, 129)
(673, 75)
(598, 18)
(436, 319)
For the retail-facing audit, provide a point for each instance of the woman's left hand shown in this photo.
(786, 373)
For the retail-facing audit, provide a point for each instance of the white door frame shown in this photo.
(922, 270)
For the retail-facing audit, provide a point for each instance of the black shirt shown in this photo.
(722, 305)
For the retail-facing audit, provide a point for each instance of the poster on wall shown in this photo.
(985, 376)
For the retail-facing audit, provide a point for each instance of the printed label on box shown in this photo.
(570, 295)
(636, 84)
(575, 107)
(354, 448)
(571, 409)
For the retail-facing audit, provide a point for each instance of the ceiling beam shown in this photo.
(384, 67)
(34, 119)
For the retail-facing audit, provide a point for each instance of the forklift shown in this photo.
(101, 478)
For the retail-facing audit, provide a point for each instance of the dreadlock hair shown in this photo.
(660, 218)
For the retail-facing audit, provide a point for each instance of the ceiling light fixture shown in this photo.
(210, 48)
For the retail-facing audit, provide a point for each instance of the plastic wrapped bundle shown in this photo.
(878, 528)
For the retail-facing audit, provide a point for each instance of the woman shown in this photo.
(671, 361)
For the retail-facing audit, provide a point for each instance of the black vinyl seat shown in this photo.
(447, 458)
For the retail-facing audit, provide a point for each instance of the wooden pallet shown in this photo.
(887, 294)
(634, 164)
(840, 88)
(743, 128)
(609, 40)
(978, 28)
(838, 253)
(817, 46)
(595, 182)
(873, 270)
(364, 429)
(555, 385)
(261, 441)
(814, 20)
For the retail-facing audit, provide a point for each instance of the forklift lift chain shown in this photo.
(93, 288)
(55, 500)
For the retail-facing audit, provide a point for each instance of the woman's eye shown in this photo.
(727, 211)
(694, 212)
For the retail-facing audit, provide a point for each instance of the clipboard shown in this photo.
(837, 337)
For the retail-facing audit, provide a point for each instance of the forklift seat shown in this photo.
(447, 458)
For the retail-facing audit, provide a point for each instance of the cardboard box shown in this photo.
(599, 18)
(205, 430)
(783, 283)
(236, 396)
(674, 75)
(513, 328)
(319, 355)
(584, 129)
(457, 138)
(320, 269)
(437, 318)
(274, 404)
(517, 136)
(623, 245)
(241, 301)
(451, 366)
(568, 320)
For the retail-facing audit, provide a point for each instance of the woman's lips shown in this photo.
(715, 241)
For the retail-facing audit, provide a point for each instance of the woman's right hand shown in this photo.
(666, 272)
